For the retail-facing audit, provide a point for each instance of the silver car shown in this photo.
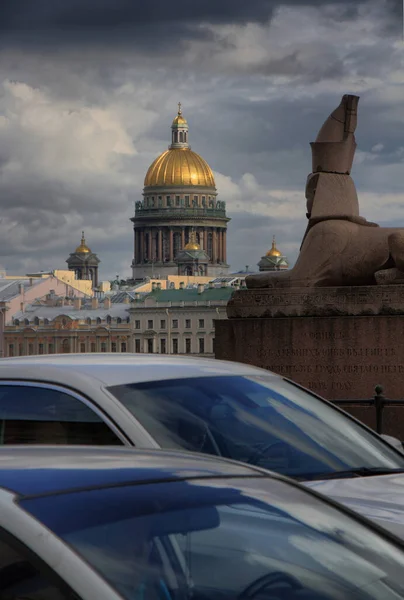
(110, 523)
(218, 408)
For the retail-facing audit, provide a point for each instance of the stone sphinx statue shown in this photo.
(339, 247)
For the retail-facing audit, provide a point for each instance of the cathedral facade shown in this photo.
(179, 209)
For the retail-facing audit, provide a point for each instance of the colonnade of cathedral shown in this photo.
(162, 244)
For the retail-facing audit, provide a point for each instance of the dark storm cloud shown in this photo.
(152, 23)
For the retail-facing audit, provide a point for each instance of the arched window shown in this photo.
(181, 136)
(119, 320)
(46, 321)
(98, 321)
(128, 319)
(109, 320)
(26, 321)
(16, 322)
(36, 321)
(65, 346)
(88, 320)
(185, 136)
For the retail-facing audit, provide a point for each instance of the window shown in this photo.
(162, 324)
(82, 347)
(88, 321)
(46, 321)
(103, 346)
(98, 321)
(201, 323)
(41, 415)
(123, 346)
(119, 320)
(195, 198)
(40, 348)
(187, 201)
(26, 578)
(175, 346)
(150, 324)
(303, 547)
(137, 324)
(113, 346)
(201, 343)
(163, 346)
(175, 323)
(150, 348)
(213, 345)
(11, 349)
(51, 349)
(36, 321)
(93, 347)
(137, 345)
(188, 345)
(30, 349)
(187, 323)
(21, 349)
(109, 320)
(177, 201)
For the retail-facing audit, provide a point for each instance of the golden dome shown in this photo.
(179, 166)
(192, 244)
(83, 249)
(179, 119)
(274, 250)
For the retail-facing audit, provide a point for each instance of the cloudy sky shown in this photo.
(89, 89)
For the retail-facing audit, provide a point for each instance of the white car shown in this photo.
(117, 523)
(214, 407)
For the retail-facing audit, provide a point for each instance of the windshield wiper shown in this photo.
(356, 472)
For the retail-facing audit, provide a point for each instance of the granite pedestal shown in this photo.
(339, 342)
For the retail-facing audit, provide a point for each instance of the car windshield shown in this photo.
(223, 539)
(261, 420)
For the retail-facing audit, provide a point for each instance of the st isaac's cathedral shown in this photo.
(180, 226)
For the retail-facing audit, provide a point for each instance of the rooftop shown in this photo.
(57, 469)
(87, 372)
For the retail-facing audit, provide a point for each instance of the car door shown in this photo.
(42, 413)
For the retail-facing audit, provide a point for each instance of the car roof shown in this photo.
(38, 470)
(118, 369)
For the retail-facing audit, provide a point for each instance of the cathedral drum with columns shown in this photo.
(179, 207)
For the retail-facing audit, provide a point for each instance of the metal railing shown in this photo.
(379, 402)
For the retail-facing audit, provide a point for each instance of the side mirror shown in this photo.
(393, 442)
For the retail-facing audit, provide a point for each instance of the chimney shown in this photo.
(22, 306)
(77, 303)
(126, 299)
(94, 303)
(182, 285)
(201, 288)
(107, 303)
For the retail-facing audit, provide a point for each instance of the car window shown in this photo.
(241, 538)
(32, 414)
(21, 579)
(262, 420)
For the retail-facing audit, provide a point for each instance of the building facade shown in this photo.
(179, 197)
(163, 321)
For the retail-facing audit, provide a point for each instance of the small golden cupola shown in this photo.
(192, 244)
(274, 250)
(83, 248)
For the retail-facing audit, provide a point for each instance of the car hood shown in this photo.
(379, 498)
